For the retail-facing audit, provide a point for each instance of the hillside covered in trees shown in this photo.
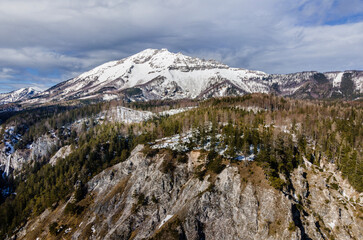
(277, 134)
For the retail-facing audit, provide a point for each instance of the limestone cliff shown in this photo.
(160, 198)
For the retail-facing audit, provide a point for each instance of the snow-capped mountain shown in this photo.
(18, 95)
(347, 84)
(160, 74)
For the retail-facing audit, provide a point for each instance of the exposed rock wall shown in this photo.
(140, 199)
(42, 147)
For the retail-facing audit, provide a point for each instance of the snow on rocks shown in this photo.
(246, 158)
(176, 142)
(167, 218)
(9, 148)
(128, 115)
(307, 163)
(179, 142)
(159, 74)
(17, 95)
(175, 111)
(43, 146)
(7, 166)
(253, 109)
(108, 97)
(9, 140)
(11, 159)
(338, 79)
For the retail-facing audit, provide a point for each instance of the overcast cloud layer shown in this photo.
(45, 42)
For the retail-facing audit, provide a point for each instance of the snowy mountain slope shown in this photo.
(17, 95)
(160, 74)
(347, 84)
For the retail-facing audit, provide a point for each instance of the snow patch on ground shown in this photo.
(108, 97)
(332, 225)
(176, 142)
(246, 158)
(338, 79)
(253, 109)
(165, 220)
(175, 111)
(179, 142)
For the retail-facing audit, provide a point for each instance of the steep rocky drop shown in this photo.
(158, 197)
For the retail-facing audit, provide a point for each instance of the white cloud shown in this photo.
(323, 48)
(6, 73)
(269, 35)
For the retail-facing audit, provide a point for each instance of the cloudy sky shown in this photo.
(44, 42)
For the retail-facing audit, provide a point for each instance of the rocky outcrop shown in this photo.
(329, 203)
(43, 146)
(160, 198)
(40, 148)
(60, 154)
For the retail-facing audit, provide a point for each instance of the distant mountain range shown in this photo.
(18, 95)
(160, 74)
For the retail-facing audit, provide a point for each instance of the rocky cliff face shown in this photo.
(315, 85)
(160, 198)
(15, 160)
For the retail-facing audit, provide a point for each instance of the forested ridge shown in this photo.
(280, 132)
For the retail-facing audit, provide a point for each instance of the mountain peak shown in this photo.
(161, 74)
(26, 90)
(18, 95)
(163, 58)
(151, 52)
